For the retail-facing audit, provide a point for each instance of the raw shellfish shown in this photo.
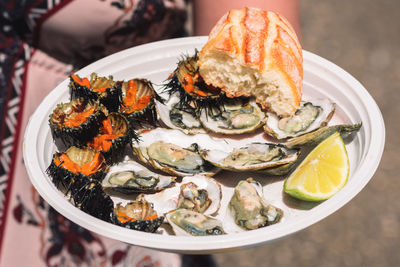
(234, 116)
(248, 208)
(310, 116)
(176, 115)
(252, 157)
(176, 153)
(115, 133)
(137, 215)
(106, 90)
(130, 177)
(188, 222)
(199, 193)
(76, 122)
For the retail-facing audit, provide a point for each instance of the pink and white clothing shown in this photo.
(41, 43)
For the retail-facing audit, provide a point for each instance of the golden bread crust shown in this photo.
(261, 40)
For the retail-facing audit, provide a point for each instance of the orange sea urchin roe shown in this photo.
(92, 166)
(123, 217)
(131, 104)
(86, 82)
(103, 142)
(77, 119)
(81, 81)
(107, 127)
(86, 169)
(188, 85)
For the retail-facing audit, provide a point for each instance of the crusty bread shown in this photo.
(251, 52)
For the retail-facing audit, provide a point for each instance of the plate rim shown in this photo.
(213, 243)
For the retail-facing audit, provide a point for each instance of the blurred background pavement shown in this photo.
(362, 37)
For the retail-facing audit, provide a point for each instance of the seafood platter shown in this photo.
(138, 148)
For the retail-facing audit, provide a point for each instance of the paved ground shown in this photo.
(363, 37)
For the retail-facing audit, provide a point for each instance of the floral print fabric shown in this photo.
(41, 43)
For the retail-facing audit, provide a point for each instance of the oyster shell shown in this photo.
(130, 177)
(234, 116)
(252, 157)
(311, 115)
(315, 137)
(188, 222)
(199, 193)
(248, 208)
(137, 215)
(176, 115)
(176, 153)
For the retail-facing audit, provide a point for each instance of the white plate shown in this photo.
(156, 61)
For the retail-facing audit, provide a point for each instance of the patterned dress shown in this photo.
(41, 43)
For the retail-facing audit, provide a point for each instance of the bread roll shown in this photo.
(251, 52)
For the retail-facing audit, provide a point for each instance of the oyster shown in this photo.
(177, 115)
(248, 208)
(278, 170)
(129, 177)
(137, 215)
(176, 153)
(199, 193)
(315, 137)
(310, 116)
(234, 116)
(252, 157)
(188, 222)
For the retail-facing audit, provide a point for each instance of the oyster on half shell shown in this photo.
(176, 153)
(252, 157)
(177, 115)
(199, 193)
(130, 177)
(234, 116)
(311, 115)
(188, 222)
(248, 208)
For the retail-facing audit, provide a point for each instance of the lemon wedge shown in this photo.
(322, 173)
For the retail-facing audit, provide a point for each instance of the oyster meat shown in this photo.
(177, 115)
(176, 153)
(198, 193)
(130, 177)
(188, 222)
(311, 115)
(234, 116)
(248, 208)
(252, 157)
